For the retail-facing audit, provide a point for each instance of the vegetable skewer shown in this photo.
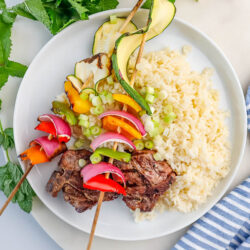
(101, 196)
(44, 148)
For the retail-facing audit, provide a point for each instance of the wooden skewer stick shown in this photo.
(16, 188)
(101, 196)
(131, 15)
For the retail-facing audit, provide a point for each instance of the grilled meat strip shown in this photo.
(146, 180)
(68, 179)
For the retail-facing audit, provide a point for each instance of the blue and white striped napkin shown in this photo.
(227, 224)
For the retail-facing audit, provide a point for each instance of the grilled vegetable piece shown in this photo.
(160, 16)
(79, 105)
(63, 109)
(98, 65)
(77, 83)
(106, 35)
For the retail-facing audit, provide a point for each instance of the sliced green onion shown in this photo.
(79, 143)
(156, 128)
(149, 98)
(97, 110)
(109, 98)
(83, 120)
(113, 19)
(84, 123)
(170, 117)
(91, 96)
(152, 108)
(84, 96)
(104, 92)
(82, 163)
(83, 117)
(143, 91)
(150, 90)
(149, 144)
(95, 130)
(86, 132)
(95, 158)
(110, 80)
(106, 97)
(157, 156)
(168, 109)
(96, 101)
(156, 94)
(139, 144)
(142, 112)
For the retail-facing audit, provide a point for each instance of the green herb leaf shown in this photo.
(22, 10)
(3, 78)
(100, 5)
(2, 5)
(147, 4)
(0, 104)
(37, 10)
(26, 205)
(5, 42)
(67, 24)
(80, 9)
(10, 174)
(15, 69)
(8, 17)
(7, 138)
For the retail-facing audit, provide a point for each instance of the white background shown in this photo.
(225, 21)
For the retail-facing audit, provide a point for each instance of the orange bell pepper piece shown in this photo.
(35, 155)
(111, 123)
(78, 104)
(125, 99)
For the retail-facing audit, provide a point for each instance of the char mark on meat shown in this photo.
(67, 178)
(146, 180)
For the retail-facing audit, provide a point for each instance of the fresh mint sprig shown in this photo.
(11, 173)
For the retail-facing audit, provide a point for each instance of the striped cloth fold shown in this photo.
(227, 224)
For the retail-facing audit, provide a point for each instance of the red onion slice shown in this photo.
(92, 170)
(110, 136)
(52, 147)
(62, 128)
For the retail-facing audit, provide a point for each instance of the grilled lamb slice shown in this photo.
(146, 180)
(67, 178)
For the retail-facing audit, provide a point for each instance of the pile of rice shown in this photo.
(196, 144)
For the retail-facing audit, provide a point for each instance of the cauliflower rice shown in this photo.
(196, 144)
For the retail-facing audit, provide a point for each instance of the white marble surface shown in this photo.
(225, 21)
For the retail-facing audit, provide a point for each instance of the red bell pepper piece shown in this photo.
(100, 183)
(47, 127)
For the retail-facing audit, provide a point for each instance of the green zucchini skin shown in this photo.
(130, 90)
(121, 75)
(94, 50)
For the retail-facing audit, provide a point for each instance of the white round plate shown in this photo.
(44, 81)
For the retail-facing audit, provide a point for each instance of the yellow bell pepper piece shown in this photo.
(111, 123)
(125, 99)
(78, 104)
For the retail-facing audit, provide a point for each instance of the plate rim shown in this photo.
(244, 126)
